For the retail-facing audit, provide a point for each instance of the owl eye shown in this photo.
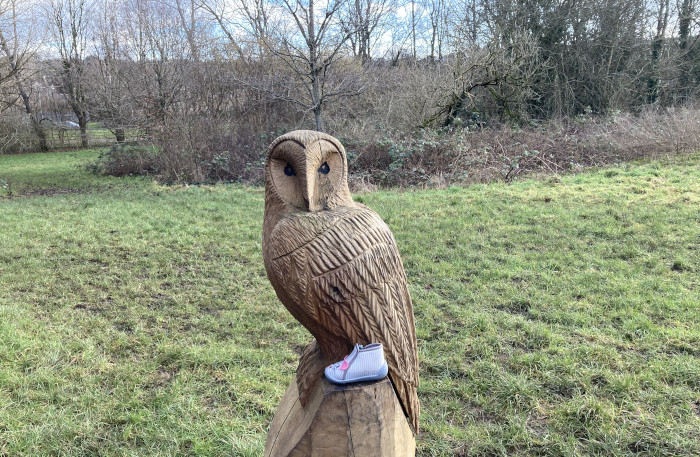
(289, 170)
(325, 169)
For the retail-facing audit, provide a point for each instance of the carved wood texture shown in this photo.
(357, 420)
(335, 266)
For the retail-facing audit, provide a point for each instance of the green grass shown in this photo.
(557, 317)
(55, 173)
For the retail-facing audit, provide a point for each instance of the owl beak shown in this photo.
(311, 192)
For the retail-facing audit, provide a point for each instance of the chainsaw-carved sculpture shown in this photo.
(334, 264)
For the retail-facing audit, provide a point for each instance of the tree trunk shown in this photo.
(685, 17)
(413, 26)
(36, 125)
(314, 69)
(317, 118)
(686, 14)
(656, 47)
(82, 122)
(40, 133)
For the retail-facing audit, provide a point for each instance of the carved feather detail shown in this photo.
(338, 271)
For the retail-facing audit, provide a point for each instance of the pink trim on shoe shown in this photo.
(364, 363)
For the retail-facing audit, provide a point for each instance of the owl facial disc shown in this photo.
(309, 177)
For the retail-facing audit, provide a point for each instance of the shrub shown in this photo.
(16, 134)
(124, 159)
(436, 157)
(200, 150)
(204, 150)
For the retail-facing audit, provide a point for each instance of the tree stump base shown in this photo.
(356, 420)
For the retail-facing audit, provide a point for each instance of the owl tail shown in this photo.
(408, 395)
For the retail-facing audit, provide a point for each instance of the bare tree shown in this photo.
(70, 25)
(18, 46)
(503, 75)
(366, 22)
(159, 59)
(437, 14)
(465, 19)
(687, 45)
(311, 48)
(108, 74)
(187, 13)
(245, 23)
(240, 65)
(656, 48)
(413, 29)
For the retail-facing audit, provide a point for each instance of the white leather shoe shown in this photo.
(364, 363)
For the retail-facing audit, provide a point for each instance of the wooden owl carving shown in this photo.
(334, 264)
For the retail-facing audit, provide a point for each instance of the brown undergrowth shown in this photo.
(435, 158)
(424, 157)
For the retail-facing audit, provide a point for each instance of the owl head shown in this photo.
(307, 171)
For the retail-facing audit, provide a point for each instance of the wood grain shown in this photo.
(357, 420)
(334, 264)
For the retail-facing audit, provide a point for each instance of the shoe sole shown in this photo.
(381, 374)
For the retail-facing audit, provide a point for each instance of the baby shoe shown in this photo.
(364, 363)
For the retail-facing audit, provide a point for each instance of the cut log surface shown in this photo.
(358, 420)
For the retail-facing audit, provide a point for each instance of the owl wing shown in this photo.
(340, 274)
(359, 286)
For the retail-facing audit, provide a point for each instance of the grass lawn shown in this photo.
(557, 317)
